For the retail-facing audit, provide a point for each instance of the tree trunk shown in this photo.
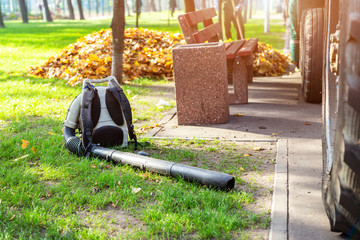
(80, 9)
(128, 8)
(97, 7)
(250, 9)
(189, 5)
(2, 25)
(203, 4)
(138, 3)
(71, 10)
(245, 11)
(47, 11)
(152, 6)
(118, 27)
(23, 11)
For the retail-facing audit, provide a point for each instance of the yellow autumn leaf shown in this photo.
(33, 149)
(247, 155)
(100, 70)
(51, 133)
(24, 144)
(238, 114)
(257, 148)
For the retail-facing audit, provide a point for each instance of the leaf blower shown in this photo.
(102, 118)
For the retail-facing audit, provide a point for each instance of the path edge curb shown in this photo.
(280, 203)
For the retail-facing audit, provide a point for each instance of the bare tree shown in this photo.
(127, 8)
(118, 27)
(23, 11)
(71, 9)
(250, 9)
(203, 4)
(2, 25)
(189, 6)
(79, 3)
(47, 11)
(152, 6)
(138, 12)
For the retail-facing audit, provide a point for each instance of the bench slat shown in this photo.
(194, 18)
(233, 49)
(249, 47)
(206, 34)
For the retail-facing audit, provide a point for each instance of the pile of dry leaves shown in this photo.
(269, 62)
(147, 53)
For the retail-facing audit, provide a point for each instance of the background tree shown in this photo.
(250, 8)
(71, 9)
(79, 3)
(47, 11)
(118, 28)
(138, 11)
(189, 6)
(2, 25)
(203, 4)
(23, 11)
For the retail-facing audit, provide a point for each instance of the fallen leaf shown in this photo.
(12, 218)
(307, 123)
(24, 144)
(33, 149)
(274, 134)
(257, 149)
(51, 133)
(135, 190)
(238, 114)
(93, 166)
(247, 155)
(242, 169)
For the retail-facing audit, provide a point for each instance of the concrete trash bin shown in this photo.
(201, 85)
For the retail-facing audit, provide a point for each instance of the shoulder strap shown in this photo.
(89, 99)
(120, 96)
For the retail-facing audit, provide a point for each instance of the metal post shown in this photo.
(267, 16)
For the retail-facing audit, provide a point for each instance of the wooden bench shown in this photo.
(239, 54)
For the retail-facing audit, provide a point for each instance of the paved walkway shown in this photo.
(276, 113)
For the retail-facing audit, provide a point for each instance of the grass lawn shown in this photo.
(47, 193)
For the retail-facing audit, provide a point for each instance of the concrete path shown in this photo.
(276, 113)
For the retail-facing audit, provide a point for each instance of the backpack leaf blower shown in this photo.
(102, 117)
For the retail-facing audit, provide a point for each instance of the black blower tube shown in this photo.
(192, 174)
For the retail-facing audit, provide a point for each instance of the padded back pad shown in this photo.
(108, 136)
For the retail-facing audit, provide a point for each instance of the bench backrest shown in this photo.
(189, 26)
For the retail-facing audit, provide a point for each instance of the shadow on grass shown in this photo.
(44, 187)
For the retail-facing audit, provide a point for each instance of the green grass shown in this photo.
(47, 193)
